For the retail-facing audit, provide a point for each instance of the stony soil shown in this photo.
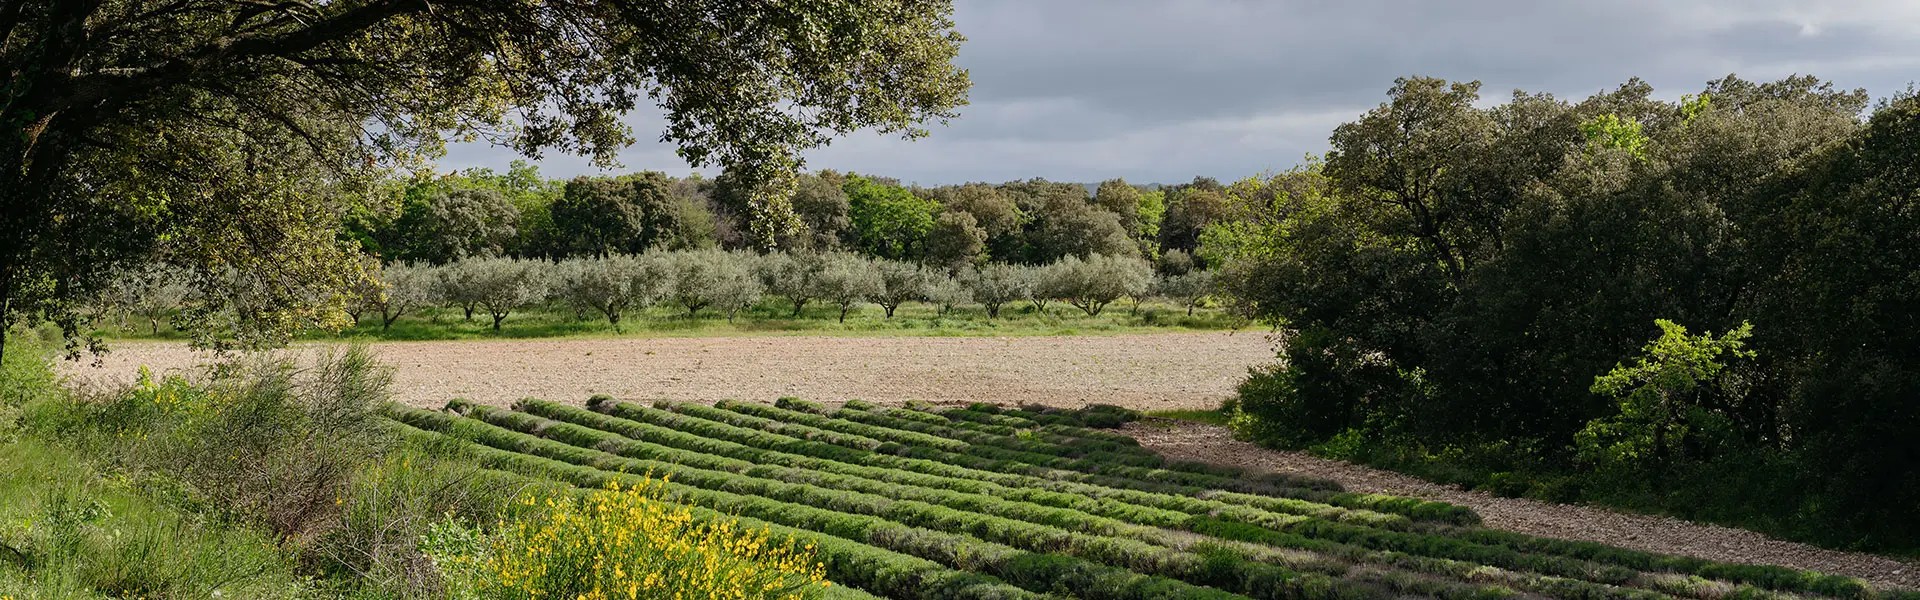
(1142, 371)
(1206, 443)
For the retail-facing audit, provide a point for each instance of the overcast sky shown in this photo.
(1086, 90)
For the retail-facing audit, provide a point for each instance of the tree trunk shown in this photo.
(993, 310)
(1189, 310)
(497, 318)
(797, 305)
(889, 308)
(469, 309)
(843, 313)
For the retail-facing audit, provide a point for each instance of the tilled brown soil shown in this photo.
(1141, 371)
(1206, 443)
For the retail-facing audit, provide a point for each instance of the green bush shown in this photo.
(68, 532)
(265, 441)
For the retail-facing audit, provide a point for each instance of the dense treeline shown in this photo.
(1472, 290)
(442, 218)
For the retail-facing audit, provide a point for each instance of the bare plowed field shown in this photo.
(1144, 371)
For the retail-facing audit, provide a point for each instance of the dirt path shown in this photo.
(1188, 441)
(1143, 371)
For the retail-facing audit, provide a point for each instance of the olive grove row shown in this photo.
(726, 282)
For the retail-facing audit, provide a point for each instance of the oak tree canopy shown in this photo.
(224, 134)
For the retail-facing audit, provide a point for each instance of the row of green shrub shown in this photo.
(1089, 418)
(985, 519)
(822, 421)
(616, 444)
(876, 521)
(1010, 487)
(1767, 577)
(850, 561)
(1095, 526)
(1531, 548)
(1185, 482)
(1181, 498)
(1549, 565)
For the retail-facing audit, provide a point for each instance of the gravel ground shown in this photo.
(1142, 371)
(1206, 443)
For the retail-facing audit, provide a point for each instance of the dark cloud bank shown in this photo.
(1085, 90)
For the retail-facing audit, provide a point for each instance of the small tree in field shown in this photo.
(716, 278)
(901, 282)
(997, 284)
(602, 285)
(1092, 283)
(503, 285)
(404, 287)
(949, 292)
(793, 276)
(1048, 283)
(150, 290)
(459, 286)
(1189, 288)
(736, 288)
(846, 280)
(651, 278)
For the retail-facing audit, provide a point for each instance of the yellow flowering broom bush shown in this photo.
(621, 544)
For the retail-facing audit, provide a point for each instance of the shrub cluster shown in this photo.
(621, 543)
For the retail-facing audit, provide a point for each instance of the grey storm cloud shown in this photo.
(1084, 90)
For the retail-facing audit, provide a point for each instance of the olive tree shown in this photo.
(150, 290)
(846, 280)
(900, 282)
(229, 134)
(503, 285)
(459, 286)
(610, 286)
(720, 279)
(997, 284)
(1048, 283)
(946, 293)
(793, 276)
(1090, 284)
(403, 288)
(1190, 288)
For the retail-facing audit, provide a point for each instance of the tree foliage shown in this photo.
(1455, 275)
(997, 284)
(889, 221)
(225, 135)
